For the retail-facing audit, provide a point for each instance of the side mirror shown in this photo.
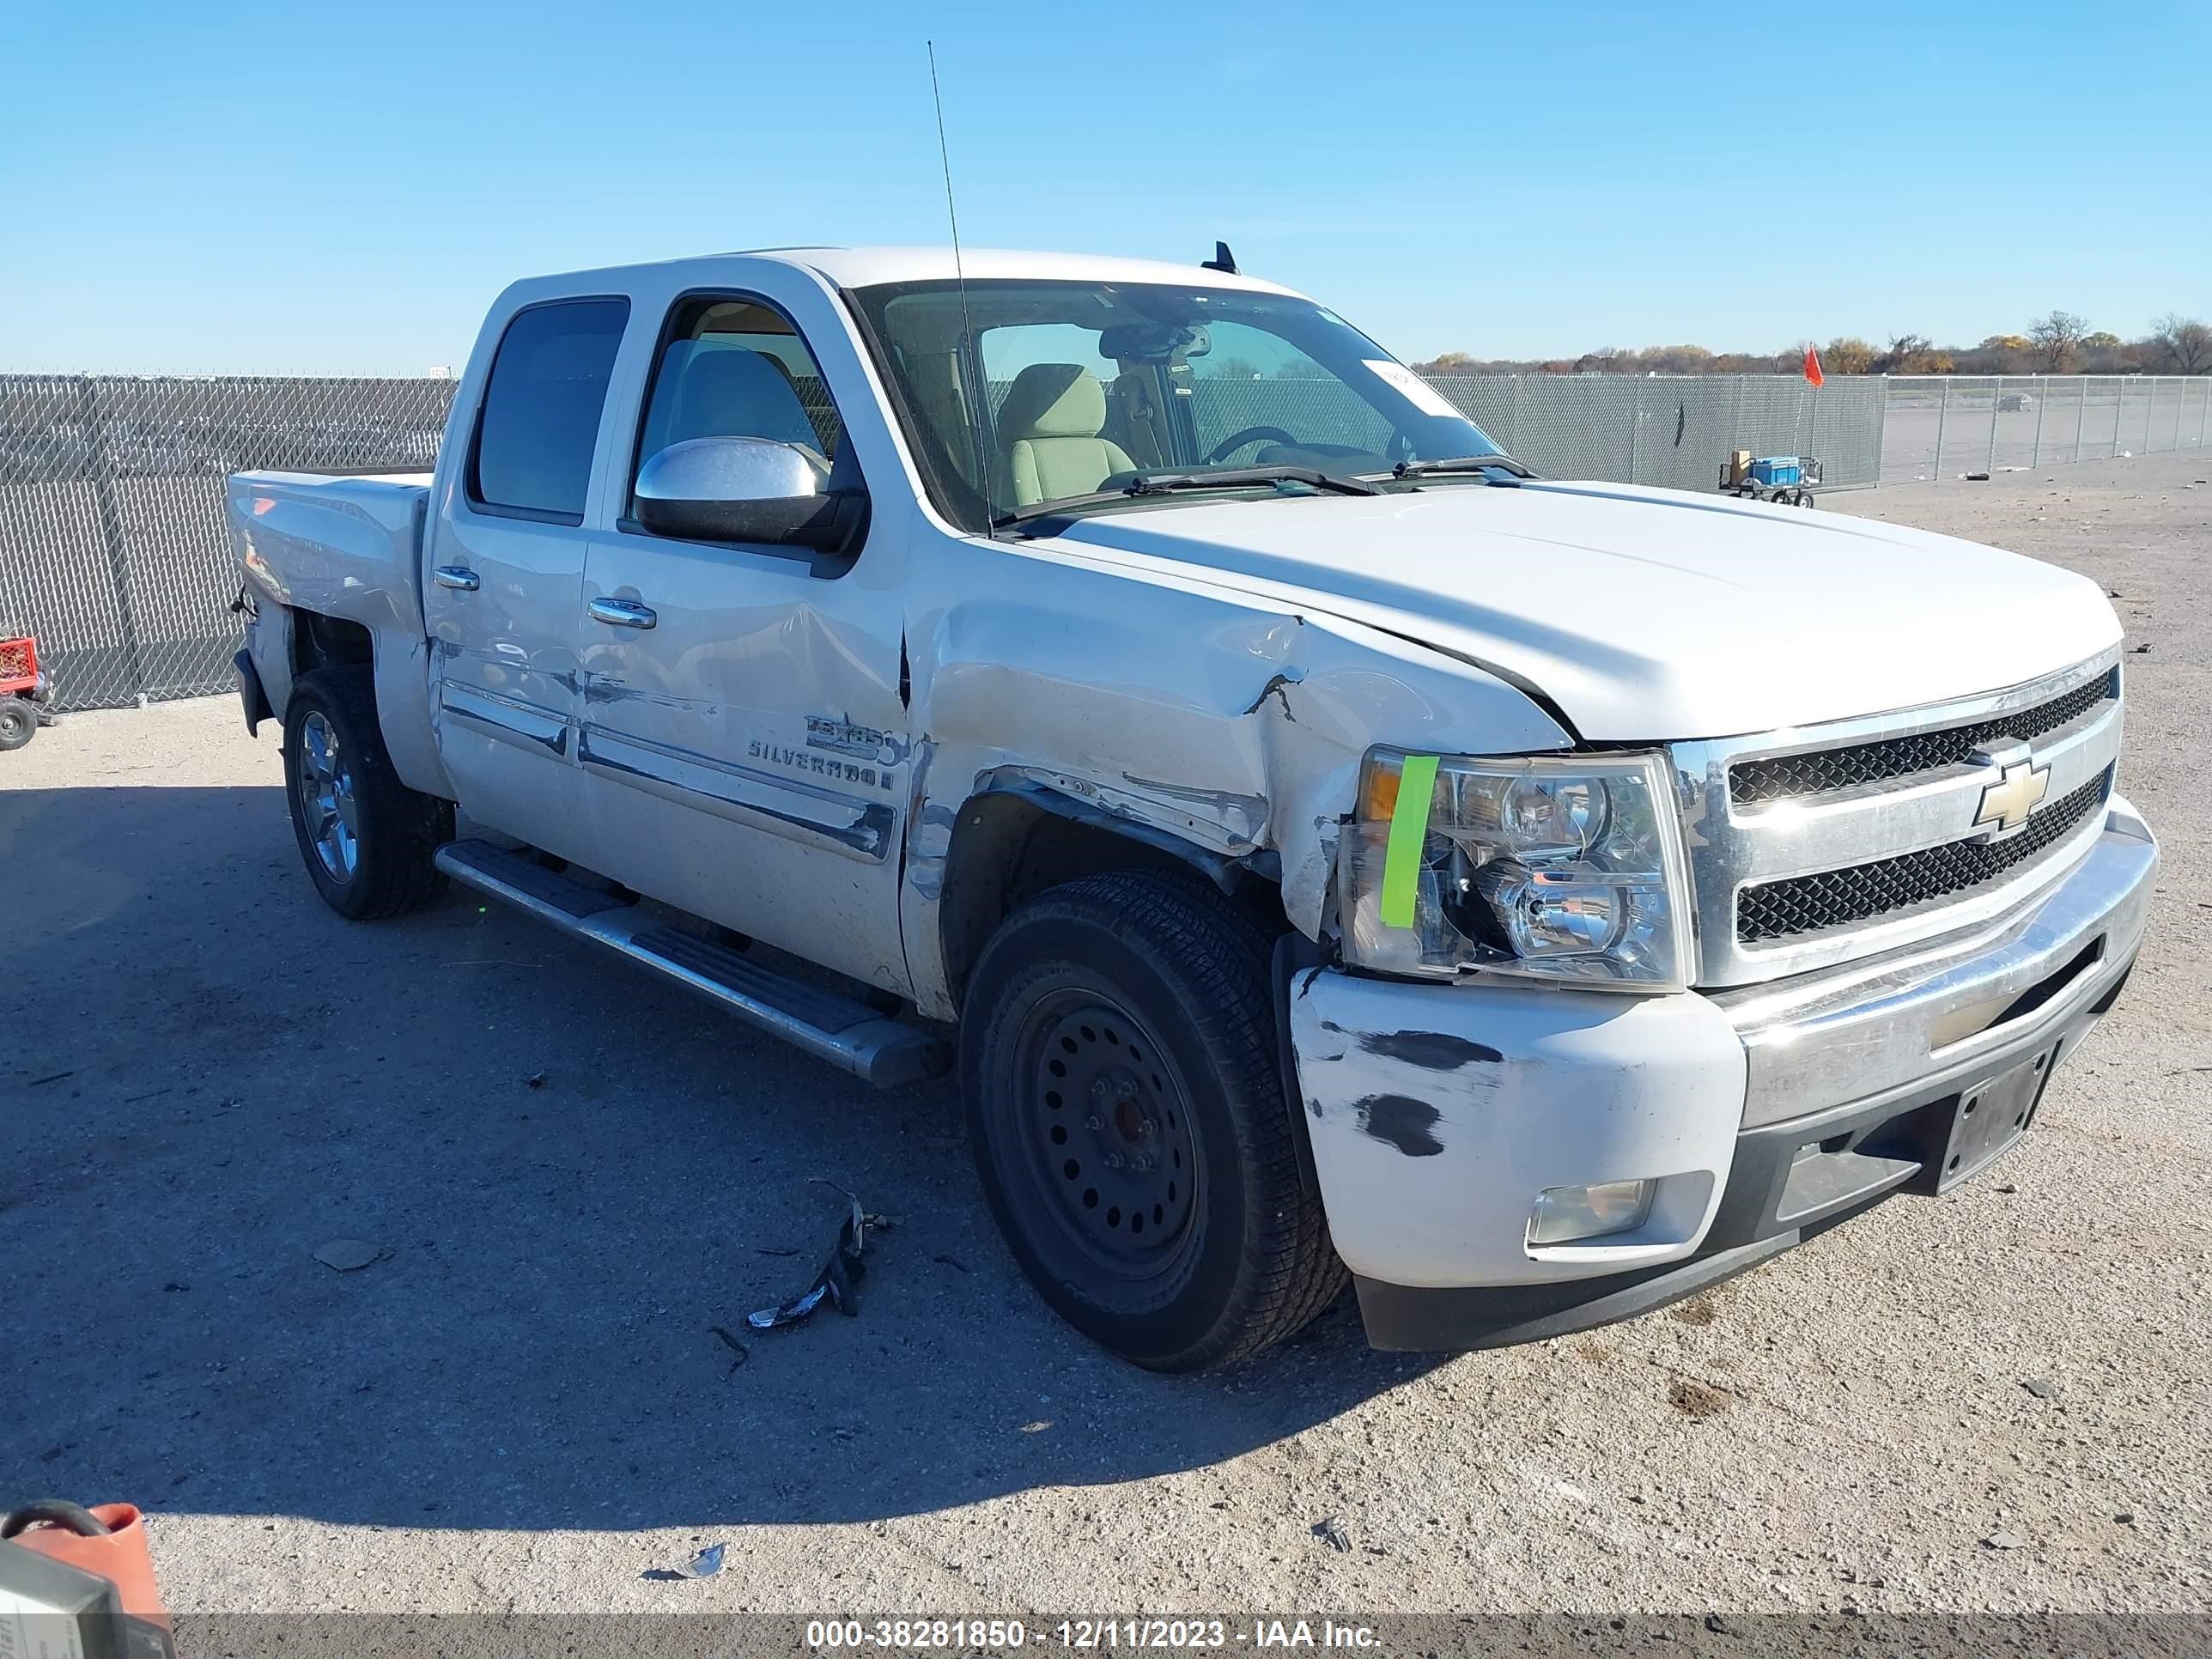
(744, 489)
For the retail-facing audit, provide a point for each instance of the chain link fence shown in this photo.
(115, 552)
(113, 546)
(1947, 425)
(1674, 431)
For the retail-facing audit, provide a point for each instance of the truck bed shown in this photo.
(349, 546)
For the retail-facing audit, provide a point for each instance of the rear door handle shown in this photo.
(457, 575)
(622, 613)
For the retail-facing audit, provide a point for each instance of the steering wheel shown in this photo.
(1237, 440)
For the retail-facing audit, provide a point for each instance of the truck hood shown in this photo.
(1649, 614)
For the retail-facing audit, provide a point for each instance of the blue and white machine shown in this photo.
(1779, 478)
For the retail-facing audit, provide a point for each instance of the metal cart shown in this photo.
(25, 693)
(1782, 479)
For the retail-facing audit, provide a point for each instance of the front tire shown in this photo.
(1126, 1113)
(367, 839)
(19, 723)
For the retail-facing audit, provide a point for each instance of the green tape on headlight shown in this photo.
(1409, 832)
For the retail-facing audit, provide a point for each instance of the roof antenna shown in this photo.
(1223, 260)
(985, 442)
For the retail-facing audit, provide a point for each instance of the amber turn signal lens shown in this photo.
(1378, 791)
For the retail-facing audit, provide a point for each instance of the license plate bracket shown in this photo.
(1991, 1116)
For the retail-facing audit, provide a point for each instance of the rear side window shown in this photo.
(540, 422)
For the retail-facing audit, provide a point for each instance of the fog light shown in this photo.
(1564, 1215)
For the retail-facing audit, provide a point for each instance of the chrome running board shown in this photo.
(850, 1034)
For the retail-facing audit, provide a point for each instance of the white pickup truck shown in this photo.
(1323, 848)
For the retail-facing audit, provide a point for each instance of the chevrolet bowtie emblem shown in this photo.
(2020, 787)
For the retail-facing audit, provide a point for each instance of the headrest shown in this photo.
(729, 390)
(1053, 400)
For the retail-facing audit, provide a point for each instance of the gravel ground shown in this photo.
(523, 1402)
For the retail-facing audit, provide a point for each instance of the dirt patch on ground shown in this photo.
(1694, 1399)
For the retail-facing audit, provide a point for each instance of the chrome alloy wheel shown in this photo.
(328, 804)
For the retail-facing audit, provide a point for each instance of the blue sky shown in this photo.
(294, 189)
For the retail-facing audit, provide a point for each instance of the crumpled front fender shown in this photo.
(1231, 723)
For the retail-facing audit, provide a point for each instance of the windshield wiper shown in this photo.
(1152, 484)
(1168, 483)
(1464, 464)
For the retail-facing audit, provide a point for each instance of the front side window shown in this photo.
(1028, 398)
(731, 368)
(540, 421)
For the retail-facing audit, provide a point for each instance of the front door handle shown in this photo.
(622, 613)
(457, 575)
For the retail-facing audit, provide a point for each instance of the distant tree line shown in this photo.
(2057, 342)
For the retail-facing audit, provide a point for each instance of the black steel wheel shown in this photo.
(1105, 1136)
(19, 723)
(1129, 1120)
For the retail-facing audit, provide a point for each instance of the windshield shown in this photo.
(1088, 387)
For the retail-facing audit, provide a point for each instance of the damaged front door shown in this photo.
(742, 722)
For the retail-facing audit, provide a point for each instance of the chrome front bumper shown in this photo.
(1923, 1015)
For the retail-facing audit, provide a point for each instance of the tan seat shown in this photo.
(1049, 426)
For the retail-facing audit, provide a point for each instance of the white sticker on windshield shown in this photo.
(1423, 396)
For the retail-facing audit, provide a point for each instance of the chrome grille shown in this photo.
(1887, 887)
(1788, 777)
(1878, 843)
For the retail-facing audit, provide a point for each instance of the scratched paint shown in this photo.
(605, 689)
(929, 843)
(1438, 1051)
(1244, 814)
(922, 858)
(864, 828)
(1275, 688)
(1401, 1122)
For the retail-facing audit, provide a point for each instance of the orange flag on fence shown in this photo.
(1813, 366)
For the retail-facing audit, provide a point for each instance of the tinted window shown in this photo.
(541, 408)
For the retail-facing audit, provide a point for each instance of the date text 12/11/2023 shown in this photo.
(1086, 1634)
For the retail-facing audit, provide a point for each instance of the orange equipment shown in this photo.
(85, 1568)
(25, 691)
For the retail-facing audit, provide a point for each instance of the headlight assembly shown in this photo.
(1567, 867)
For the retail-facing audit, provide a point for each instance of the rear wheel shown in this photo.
(366, 838)
(19, 723)
(1128, 1117)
